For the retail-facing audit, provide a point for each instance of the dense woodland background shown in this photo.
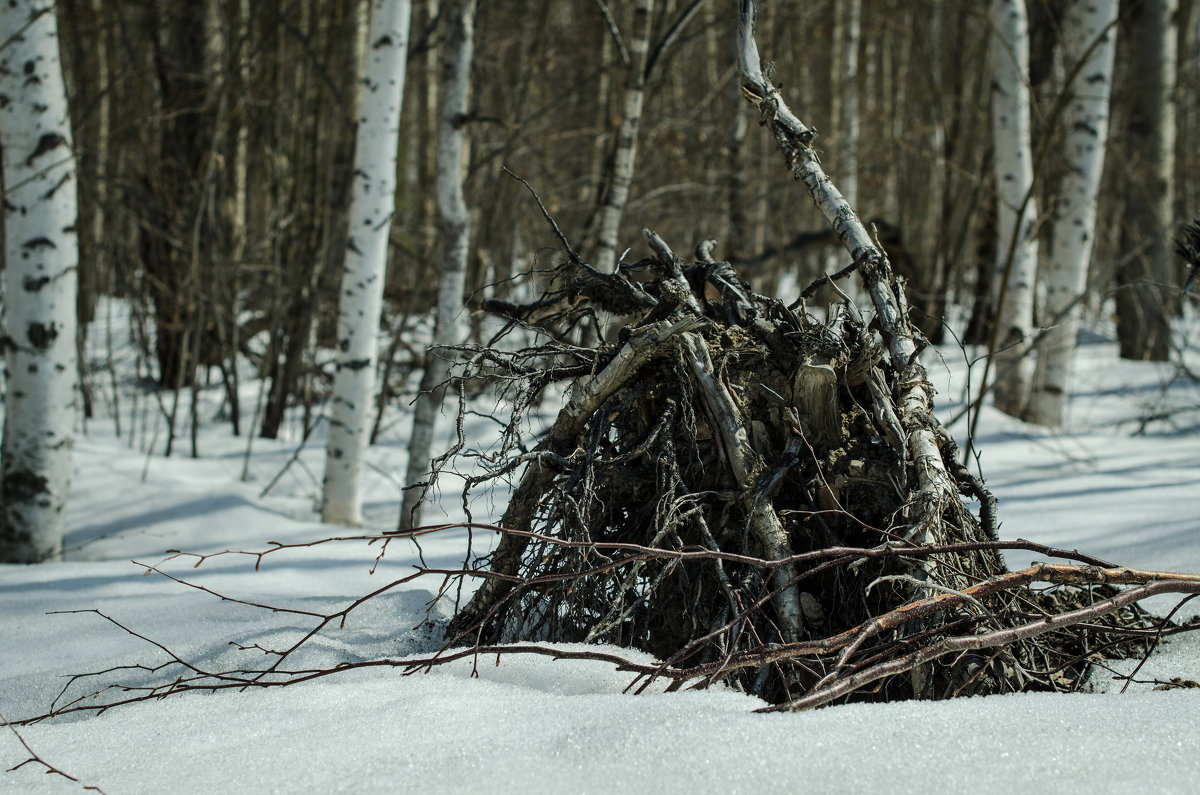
(215, 143)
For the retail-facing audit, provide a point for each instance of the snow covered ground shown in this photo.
(1114, 486)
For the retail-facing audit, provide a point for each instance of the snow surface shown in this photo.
(532, 724)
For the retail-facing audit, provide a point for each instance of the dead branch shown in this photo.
(35, 759)
(992, 614)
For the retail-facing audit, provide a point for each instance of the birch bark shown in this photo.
(456, 233)
(1017, 249)
(41, 259)
(360, 299)
(617, 195)
(1089, 35)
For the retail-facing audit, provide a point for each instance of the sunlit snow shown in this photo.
(1116, 487)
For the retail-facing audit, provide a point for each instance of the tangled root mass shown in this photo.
(730, 488)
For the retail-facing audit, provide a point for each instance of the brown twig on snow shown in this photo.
(854, 659)
(35, 759)
(999, 637)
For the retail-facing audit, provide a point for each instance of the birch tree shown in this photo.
(361, 295)
(1017, 249)
(452, 207)
(643, 54)
(41, 262)
(1089, 42)
(625, 156)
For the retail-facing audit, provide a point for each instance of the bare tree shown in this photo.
(1017, 249)
(310, 99)
(1143, 308)
(361, 295)
(1089, 41)
(41, 258)
(621, 174)
(176, 237)
(456, 233)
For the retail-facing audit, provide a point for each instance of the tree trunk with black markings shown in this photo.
(41, 261)
(456, 239)
(620, 175)
(1016, 207)
(361, 296)
(1089, 39)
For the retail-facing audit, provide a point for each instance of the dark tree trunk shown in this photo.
(1144, 282)
(173, 190)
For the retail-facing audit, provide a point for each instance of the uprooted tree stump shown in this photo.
(757, 496)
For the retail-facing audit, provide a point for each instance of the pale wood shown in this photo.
(41, 266)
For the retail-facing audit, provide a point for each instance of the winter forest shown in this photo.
(595, 370)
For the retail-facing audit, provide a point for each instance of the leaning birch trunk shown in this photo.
(1016, 210)
(452, 151)
(41, 259)
(1089, 41)
(914, 397)
(361, 296)
(621, 176)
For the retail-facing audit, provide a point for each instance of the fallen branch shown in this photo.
(999, 613)
(37, 760)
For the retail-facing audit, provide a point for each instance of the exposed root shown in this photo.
(725, 423)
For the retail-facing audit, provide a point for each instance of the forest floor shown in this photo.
(1122, 482)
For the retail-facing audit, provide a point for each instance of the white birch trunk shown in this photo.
(41, 259)
(1016, 210)
(428, 136)
(241, 153)
(448, 330)
(625, 157)
(603, 112)
(361, 296)
(1085, 23)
